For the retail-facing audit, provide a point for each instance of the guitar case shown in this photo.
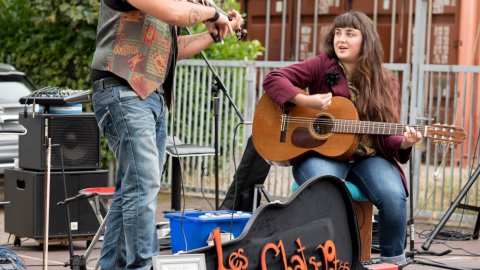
(298, 233)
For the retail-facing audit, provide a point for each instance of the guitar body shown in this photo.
(299, 138)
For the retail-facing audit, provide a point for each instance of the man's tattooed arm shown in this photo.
(190, 45)
(195, 15)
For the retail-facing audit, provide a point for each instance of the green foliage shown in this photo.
(53, 41)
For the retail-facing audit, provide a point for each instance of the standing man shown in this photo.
(132, 73)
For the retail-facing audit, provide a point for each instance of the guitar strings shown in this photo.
(351, 123)
(442, 133)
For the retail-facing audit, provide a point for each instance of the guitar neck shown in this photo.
(374, 128)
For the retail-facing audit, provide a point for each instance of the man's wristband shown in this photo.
(215, 17)
(216, 38)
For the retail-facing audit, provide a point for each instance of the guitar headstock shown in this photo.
(445, 133)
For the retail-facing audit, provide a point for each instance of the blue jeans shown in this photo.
(381, 182)
(136, 132)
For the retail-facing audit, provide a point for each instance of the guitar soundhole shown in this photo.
(323, 125)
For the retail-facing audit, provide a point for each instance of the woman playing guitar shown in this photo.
(351, 67)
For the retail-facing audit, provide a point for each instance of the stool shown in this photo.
(177, 149)
(364, 212)
(102, 195)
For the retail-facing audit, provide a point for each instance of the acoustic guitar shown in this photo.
(284, 137)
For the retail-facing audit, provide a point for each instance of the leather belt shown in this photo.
(112, 82)
(106, 83)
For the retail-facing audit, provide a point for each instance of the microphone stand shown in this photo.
(452, 208)
(411, 224)
(46, 217)
(218, 85)
(76, 262)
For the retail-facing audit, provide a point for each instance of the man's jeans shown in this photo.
(136, 132)
(381, 182)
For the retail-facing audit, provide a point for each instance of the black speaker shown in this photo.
(24, 216)
(76, 134)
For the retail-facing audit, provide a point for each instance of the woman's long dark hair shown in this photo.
(376, 101)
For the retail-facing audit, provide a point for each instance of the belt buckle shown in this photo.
(102, 84)
(98, 85)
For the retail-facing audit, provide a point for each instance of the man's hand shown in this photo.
(237, 20)
(223, 25)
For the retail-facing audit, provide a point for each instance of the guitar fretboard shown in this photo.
(367, 127)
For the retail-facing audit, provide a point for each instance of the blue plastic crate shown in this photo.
(198, 226)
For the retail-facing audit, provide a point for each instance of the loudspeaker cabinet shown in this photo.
(76, 135)
(24, 216)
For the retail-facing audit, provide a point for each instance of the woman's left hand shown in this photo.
(410, 137)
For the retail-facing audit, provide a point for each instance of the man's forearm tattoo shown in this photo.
(188, 40)
(195, 15)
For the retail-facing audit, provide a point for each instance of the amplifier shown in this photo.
(75, 135)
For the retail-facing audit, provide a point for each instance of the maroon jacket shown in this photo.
(281, 85)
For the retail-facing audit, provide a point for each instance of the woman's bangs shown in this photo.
(347, 20)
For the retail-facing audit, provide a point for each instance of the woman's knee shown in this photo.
(318, 166)
(392, 203)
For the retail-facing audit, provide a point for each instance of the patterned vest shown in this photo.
(136, 47)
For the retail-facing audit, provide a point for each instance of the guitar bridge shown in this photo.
(284, 127)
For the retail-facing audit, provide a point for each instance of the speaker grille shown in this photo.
(76, 135)
(78, 139)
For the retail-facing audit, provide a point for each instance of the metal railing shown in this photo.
(447, 95)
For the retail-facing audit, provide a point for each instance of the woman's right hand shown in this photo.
(317, 101)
